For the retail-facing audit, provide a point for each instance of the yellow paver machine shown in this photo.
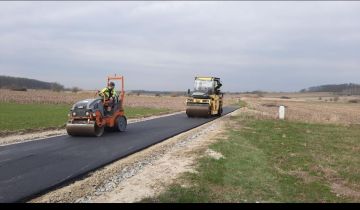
(206, 99)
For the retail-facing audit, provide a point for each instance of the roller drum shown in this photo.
(84, 129)
(198, 110)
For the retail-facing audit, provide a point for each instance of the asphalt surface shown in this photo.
(31, 168)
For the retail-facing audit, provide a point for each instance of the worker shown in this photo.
(109, 93)
(218, 86)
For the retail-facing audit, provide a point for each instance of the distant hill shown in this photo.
(346, 89)
(18, 83)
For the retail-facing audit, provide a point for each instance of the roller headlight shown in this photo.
(74, 113)
(87, 113)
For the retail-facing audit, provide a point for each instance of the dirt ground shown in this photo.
(50, 97)
(308, 108)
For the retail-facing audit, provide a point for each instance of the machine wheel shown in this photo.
(189, 115)
(121, 123)
(99, 131)
(220, 112)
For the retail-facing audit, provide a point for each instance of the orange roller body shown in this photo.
(90, 117)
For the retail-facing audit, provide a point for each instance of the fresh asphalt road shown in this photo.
(30, 168)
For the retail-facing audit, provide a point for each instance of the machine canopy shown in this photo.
(204, 86)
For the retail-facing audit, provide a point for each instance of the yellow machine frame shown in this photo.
(211, 105)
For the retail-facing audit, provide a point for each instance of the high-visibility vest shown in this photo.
(107, 92)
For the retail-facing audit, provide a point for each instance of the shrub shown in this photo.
(75, 89)
(354, 101)
(57, 87)
(285, 97)
(19, 89)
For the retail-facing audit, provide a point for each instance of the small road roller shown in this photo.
(206, 100)
(91, 117)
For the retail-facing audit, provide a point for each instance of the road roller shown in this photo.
(91, 117)
(206, 100)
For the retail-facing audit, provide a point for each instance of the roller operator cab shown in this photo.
(206, 99)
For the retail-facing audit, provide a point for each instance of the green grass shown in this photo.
(239, 103)
(135, 112)
(274, 161)
(17, 117)
(242, 103)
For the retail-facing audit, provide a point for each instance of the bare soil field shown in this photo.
(176, 103)
(318, 97)
(308, 108)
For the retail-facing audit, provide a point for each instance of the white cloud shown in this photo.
(251, 45)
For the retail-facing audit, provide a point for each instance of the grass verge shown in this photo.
(19, 117)
(240, 103)
(275, 161)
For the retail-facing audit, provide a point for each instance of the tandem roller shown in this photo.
(206, 99)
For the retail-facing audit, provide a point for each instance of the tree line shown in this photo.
(22, 84)
(345, 89)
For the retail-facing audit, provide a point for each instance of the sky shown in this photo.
(163, 45)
